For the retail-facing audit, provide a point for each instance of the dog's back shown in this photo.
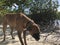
(10, 19)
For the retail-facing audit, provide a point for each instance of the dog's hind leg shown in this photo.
(19, 36)
(12, 32)
(4, 29)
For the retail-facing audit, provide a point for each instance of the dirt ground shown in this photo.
(45, 39)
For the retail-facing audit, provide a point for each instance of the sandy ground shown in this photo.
(45, 39)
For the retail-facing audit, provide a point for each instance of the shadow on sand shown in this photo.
(9, 39)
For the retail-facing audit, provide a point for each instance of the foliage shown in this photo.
(58, 15)
(42, 10)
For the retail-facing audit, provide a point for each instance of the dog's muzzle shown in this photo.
(36, 36)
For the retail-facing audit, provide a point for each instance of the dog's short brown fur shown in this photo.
(21, 23)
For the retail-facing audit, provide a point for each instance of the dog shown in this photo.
(21, 23)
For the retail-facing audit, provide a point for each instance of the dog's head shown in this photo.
(34, 30)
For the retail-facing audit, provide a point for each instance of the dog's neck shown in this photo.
(29, 25)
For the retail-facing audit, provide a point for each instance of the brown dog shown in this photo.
(21, 23)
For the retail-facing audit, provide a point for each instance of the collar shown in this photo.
(29, 26)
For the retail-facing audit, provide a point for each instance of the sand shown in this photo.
(45, 39)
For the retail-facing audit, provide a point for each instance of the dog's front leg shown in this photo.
(19, 35)
(24, 36)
